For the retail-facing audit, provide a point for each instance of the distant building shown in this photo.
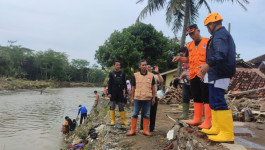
(168, 76)
(249, 75)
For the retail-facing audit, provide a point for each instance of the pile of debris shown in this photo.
(172, 96)
(247, 110)
(185, 137)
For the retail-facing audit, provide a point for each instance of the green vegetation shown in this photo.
(181, 13)
(23, 63)
(105, 110)
(140, 41)
(14, 84)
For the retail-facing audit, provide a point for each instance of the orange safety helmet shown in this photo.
(212, 17)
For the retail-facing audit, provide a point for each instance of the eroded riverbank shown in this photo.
(114, 137)
(15, 84)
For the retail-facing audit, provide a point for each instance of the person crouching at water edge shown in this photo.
(143, 95)
(116, 85)
(65, 127)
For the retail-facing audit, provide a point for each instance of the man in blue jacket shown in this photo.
(83, 111)
(219, 68)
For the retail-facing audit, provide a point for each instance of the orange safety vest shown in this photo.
(197, 56)
(143, 88)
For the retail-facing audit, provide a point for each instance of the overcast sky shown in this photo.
(79, 27)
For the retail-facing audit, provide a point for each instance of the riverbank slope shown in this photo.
(114, 137)
(14, 84)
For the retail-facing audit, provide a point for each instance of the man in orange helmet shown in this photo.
(196, 56)
(219, 68)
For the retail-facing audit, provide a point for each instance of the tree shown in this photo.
(19, 62)
(79, 63)
(139, 41)
(237, 56)
(81, 68)
(51, 65)
(13, 58)
(180, 13)
(96, 75)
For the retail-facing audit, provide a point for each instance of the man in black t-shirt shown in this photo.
(116, 85)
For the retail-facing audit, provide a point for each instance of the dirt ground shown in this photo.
(158, 140)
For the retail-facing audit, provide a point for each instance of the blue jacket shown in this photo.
(82, 109)
(221, 55)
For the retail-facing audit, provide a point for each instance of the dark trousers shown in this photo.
(186, 93)
(113, 104)
(217, 98)
(83, 116)
(152, 117)
(199, 90)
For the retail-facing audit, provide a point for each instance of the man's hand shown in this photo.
(153, 101)
(176, 58)
(156, 70)
(203, 70)
(109, 95)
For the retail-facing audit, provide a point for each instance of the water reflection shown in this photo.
(33, 121)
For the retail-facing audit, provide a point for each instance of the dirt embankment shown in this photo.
(114, 137)
(14, 84)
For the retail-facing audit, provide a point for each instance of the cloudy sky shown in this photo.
(78, 27)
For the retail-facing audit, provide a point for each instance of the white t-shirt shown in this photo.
(219, 83)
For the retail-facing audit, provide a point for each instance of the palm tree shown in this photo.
(180, 13)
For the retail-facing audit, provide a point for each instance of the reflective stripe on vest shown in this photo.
(197, 56)
(143, 88)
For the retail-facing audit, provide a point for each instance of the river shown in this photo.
(30, 120)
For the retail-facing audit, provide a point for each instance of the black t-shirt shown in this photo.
(71, 125)
(117, 82)
(196, 44)
(134, 82)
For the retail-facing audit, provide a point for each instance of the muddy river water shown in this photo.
(30, 120)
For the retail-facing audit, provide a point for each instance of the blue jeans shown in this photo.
(217, 98)
(138, 104)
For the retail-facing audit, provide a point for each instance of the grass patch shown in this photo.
(87, 147)
(105, 110)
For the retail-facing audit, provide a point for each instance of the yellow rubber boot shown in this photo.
(214, 129)
(207, 119)
(112, 117)
(225, 123)
(122, 113)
